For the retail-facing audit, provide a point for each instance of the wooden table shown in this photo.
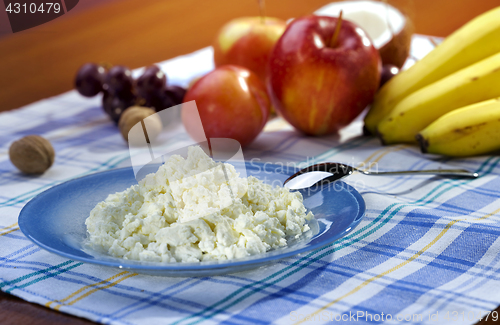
(41, 62)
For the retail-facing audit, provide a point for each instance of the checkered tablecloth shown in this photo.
(427, 250)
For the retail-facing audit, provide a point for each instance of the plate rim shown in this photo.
(180, 266)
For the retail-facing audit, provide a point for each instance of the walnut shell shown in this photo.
(32, 154)
(133, 130)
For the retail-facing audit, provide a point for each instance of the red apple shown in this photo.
(248, 42)
(317, 86)
(232, 103)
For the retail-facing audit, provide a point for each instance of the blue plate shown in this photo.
(55, 220)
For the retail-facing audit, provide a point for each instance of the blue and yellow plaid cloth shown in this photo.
(427, 251)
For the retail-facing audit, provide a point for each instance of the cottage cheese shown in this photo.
(194, 210)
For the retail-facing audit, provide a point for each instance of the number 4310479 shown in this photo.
(471, 316)
(25, 8)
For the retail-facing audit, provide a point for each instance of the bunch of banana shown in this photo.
(475, 83)
(464, 69)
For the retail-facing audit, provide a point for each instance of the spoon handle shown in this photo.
(441, 172)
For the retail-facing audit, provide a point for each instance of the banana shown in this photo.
(476, 40)
(470, 85)
(467, 131)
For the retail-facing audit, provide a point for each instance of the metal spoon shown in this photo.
(339, 171)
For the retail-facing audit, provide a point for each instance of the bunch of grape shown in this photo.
(121, 91)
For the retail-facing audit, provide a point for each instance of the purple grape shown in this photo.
(151, 83)
(119, 81)
(114, 105)
(167, 101)
(160, 103)
(176, 93)
(89, 79)
(155, 103)
(388, 71)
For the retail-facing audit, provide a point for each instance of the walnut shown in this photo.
(139, 125)
(32, 154)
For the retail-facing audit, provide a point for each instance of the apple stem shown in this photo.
(262, 11)
(333, 41)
